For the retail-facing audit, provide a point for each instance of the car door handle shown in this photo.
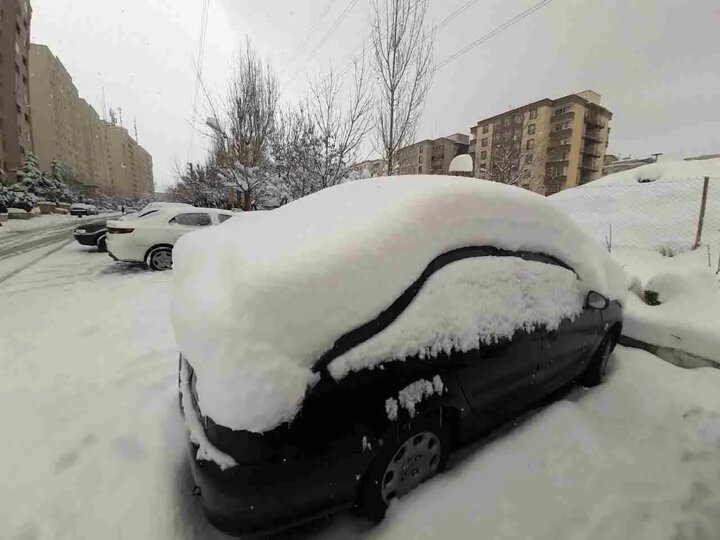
(552, 335)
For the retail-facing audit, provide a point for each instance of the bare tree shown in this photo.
(341, 129)
(514, 160)
(403, 67)
(250, 116)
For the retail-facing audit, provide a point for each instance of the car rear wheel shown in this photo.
(102, 243)
(160, 259)
(595, 372)
(419, 453)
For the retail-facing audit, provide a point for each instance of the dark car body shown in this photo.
(83, 210)
(317, 463)
(91, 234)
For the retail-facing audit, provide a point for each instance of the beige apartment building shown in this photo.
(547, 146)
(432, 156)
(15, 129)
(103, 156)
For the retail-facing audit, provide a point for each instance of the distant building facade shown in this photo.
(66, 128)
(15, 128)
(555, 143)
(375, 167)
(614, 165)
(432, 156)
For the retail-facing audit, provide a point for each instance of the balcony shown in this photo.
(563, 116)
(557, 159)
(593, 136)
(588, 167)
(588, 151)
(561, 133)
(553, 147)
(594, 121)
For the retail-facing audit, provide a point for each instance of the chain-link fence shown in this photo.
(673, 214)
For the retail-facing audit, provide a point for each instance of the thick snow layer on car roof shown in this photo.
(260, 298)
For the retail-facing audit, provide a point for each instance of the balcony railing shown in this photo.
(589, 151)
(594, 121)
(563, 116)
(592, 136)
(562, 133)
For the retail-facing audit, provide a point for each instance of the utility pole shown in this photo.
(701, 217)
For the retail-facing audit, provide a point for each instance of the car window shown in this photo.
(471, 303)
(223, 217)
(195, 219)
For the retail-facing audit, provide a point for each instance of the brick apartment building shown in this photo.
(103, 157)
(432, 156)
(15, 128)
(554, 144)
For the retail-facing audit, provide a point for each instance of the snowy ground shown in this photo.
(94, 446)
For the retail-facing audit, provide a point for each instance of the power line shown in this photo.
(507, 24)
(309, 33)
(199, 66)
(327, 35)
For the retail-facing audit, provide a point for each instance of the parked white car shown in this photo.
(150, 237)
(152, 207)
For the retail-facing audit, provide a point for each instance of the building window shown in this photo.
(528, 159)
(483, 141)
(506, 121)
(563, 141)
(421, 149)
(530, 144)
(483, 155)
(531, 129)
(533, 114)
(486, 128)
(419, 159)
(420, 169)
(518, 118)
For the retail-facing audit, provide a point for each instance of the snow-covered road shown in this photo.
(94, 447)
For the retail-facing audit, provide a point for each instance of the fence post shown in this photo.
(701, 217)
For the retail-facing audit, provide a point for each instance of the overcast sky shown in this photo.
(655, 62)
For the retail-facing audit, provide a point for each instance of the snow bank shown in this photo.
(471, 301)
(688, 318)
(259, 299)
(654, 206)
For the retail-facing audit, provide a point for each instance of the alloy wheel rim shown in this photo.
(414, 462)
(162, 260)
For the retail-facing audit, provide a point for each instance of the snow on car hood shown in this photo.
(260, 298)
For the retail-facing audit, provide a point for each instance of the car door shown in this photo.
(185, 222)
(565, 350)
(499, 379)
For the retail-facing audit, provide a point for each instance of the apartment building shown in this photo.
(432, 156)
(102, 156)
(375, 167)
(547, 146)
(15, 129)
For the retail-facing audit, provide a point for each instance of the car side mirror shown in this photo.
(595, 300)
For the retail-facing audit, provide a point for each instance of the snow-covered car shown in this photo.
(149, 238)
(81, 209)
(334, 351)
(92, 234)
(151, 207)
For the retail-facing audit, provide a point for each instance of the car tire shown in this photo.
(102, 244)
(160, 259)
(594, 374)
(420, 451)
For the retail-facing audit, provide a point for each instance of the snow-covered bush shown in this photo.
(10, 198)
(50, 187)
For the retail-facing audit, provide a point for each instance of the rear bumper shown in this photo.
(261, 499)
(88, 239)
(122, 248)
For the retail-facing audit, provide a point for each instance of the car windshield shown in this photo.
(294, 197)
